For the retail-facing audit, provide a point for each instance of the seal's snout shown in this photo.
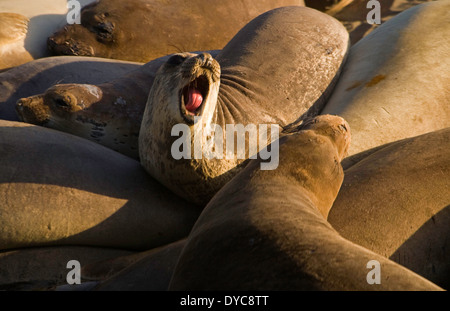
(31, 110)
(23, 101)
(59, 45)
(199, 73)
(332, 126)
(20, 104)
(197, 65)
(23, 104)
(206, 61)
(51, 44)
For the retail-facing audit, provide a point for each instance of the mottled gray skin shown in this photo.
(142, 30)
(266, 230)
(279, 69)
(396, 202)
(394, 84)
(37, 76)
(58, 189)
(108, 113)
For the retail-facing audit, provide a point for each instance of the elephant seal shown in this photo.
(286, 60)
(38, 75)
(378, 91)
(147, 271)
(108, 113)
(43, 268)
(13, 29)
(396, 202)
(155, 28)
(356, 14)
(42, 18)
(57, 189)
(266, 230)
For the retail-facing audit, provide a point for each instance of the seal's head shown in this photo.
(77, 109)
(182, 100)
(106, 30)
(96, 34)
(333, 127)
(58, 106)
(314, 160)
(187, 86)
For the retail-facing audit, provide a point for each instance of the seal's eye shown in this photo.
(176, 59)
(61, 103)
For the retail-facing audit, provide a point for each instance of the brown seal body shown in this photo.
(395, 202)
(44, 268)
(13, 30)
(29, 24)
(59, 189)
(276, 71)
(108, 113)
(266, 230)
(359, 16)
(37, 76)
(142, 30)
(147, 271)
(392, 86)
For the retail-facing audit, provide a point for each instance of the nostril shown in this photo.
(20, 108)
(22, 102)
(51, 42)
(343, 127)
(206, 57)
(206, 60)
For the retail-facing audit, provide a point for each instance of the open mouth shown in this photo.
(193, 97)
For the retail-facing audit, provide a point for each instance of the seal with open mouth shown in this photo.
(278, 70)
(108, 113)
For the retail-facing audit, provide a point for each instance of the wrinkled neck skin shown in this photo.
(258, 86)
(196, 178)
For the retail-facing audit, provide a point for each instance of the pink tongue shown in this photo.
(194, 101)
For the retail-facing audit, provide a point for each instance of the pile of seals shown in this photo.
(363, 136)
